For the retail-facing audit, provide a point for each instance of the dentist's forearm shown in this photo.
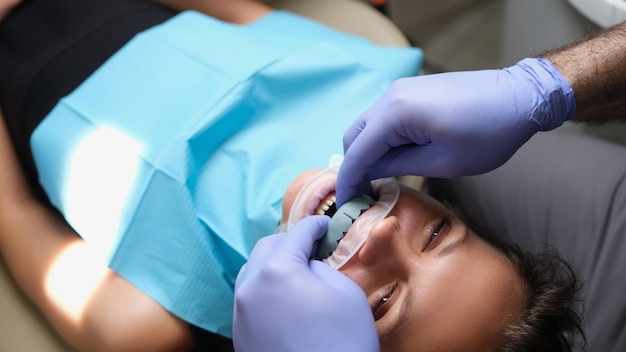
(596, 70)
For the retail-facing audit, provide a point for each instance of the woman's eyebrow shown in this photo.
(458, 242)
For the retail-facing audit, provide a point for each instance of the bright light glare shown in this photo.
(102, 173)
(73, 278)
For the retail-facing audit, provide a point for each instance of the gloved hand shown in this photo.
(453, 124)
(286, 302)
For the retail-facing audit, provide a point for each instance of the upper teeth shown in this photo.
(325, 205)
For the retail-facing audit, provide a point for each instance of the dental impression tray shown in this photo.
(340, 224)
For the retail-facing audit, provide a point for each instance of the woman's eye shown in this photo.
(445, 221)
(383, 301)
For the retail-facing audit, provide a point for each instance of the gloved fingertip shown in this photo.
(323, 221)
(345, 194)
(365, 187)
(306, 232)
(341, 196)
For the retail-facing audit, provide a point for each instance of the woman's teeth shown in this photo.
(327, 206)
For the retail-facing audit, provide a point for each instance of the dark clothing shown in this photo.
(46, 51)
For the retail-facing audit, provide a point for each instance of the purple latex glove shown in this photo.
(286, 302)
(453, 124)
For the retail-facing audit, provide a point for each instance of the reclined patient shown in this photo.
(167, 155)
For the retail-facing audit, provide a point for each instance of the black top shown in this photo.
(48, 47)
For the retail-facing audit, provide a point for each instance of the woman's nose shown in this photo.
(381, 242)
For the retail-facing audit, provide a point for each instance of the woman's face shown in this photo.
(433, 285)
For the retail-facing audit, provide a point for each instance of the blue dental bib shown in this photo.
(174, 155)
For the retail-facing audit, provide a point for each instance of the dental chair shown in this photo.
(23, 328)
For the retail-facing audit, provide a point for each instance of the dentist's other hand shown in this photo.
(286, 302)
(453, 124)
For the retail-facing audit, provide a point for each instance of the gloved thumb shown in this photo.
(300, 240)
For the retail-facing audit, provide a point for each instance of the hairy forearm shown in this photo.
(596, 69)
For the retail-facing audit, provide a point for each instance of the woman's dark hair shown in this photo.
(549, 320)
